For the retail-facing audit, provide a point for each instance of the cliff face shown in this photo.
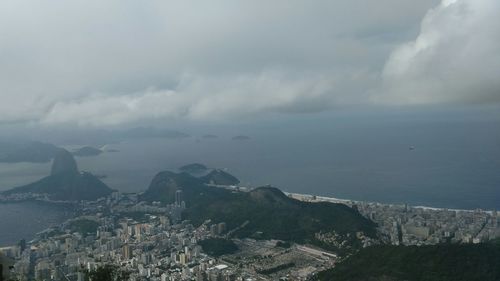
(63, 162)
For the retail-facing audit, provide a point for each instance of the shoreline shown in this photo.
(298, 196)
(295, 195)
(349, 202)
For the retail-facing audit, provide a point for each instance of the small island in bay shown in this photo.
(209, 136)
(241, 138)
(87, 151)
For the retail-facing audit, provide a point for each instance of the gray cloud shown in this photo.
(455, 58)
(114, 62)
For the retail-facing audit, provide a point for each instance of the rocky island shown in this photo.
(65, 183)
(87, 151)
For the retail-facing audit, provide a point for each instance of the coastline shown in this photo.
(298, 196)
(24, 219)
(350, 203)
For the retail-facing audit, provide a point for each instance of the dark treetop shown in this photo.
(445, 262)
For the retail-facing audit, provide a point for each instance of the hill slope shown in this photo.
(450, 262)
(269, 213)
(220, 177)
(65, 182)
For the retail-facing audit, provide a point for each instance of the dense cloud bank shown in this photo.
(116, 62)
(455, 58)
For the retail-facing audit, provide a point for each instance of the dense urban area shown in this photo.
(150, 241)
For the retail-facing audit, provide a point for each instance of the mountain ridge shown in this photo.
(266, 212)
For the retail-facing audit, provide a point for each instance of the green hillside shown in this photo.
(447, 262)
(67, 186)
(266, 212)
(66, 182)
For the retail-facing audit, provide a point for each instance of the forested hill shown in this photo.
(445, 262)
(265, 212)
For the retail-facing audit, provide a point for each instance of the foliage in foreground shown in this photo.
(217, 246)
(106, 273)
(446, 262)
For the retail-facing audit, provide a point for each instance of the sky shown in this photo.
(94, 63)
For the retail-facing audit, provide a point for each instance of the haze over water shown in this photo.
(455, 162)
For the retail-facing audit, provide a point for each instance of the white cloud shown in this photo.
(455, 58)
(208, 97)
(101, 63)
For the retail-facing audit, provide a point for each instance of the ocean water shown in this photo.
(24, 220)
(455, 162)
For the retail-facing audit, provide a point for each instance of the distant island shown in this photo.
(241, 138)
(97, 137)
(106, 148)
(26, 151)
(87, 151)
(210, 136)
(150, 132)
(65, 183)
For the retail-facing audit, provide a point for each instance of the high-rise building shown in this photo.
(178, 197)
(126, 252)
(213, 230)
(221, 228)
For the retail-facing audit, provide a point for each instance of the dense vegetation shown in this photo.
(106, 273)
(218, 246)
(446, 262)
(264, 213)
(220, 177)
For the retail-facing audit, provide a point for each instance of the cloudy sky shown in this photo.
(103, 63)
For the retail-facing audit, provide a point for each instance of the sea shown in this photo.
(24, 220)
(439, 158)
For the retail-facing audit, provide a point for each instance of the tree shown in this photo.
(107, 273)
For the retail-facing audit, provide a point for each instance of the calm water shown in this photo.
(24, 220)
(455, 163)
